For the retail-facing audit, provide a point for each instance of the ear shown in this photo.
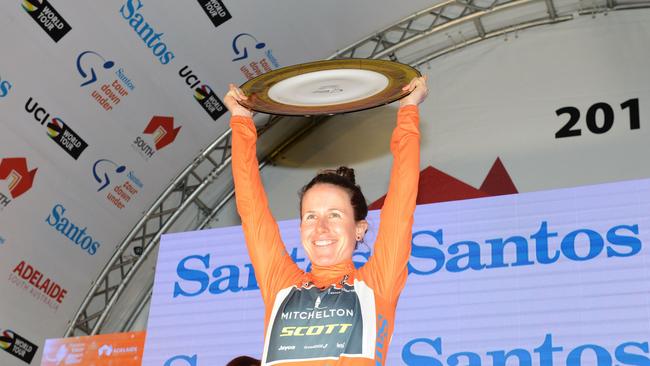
(361, 228)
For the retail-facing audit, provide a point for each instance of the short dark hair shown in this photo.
(243, 361)
(341, 177)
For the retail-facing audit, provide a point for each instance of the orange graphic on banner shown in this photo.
(123, 349)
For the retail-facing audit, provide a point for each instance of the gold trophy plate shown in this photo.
(328, 87)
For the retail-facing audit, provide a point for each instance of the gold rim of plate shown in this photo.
(258, 98)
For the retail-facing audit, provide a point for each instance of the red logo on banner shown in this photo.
(436, 186)
(163, 131)
(20, 177)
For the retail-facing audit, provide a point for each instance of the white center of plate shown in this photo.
(328, 87)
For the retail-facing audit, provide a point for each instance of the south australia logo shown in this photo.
(19, 177)
(159, 132)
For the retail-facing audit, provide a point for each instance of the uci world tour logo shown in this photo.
(19, 176)
(162, 133)
(47, 18)
(58, 131)
(216, 11)
(254, 55)
(17, 346)
(115, 85)
(203, 94)
(110, 178)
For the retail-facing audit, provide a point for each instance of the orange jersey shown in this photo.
(335, 315)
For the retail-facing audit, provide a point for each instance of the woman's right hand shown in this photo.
(232, 99)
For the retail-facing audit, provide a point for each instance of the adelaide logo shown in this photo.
(246, 47)
(29, 278)
(162, 132)
(112, 89)
(47, 18)
(20, 178)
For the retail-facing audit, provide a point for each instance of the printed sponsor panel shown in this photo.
(17, 346)
(124, 349)
(216, 11)
(47, 17)
(96, 83)
(540, 278)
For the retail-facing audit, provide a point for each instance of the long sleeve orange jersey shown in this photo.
(335, 315)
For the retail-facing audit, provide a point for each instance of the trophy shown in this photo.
(328, 87)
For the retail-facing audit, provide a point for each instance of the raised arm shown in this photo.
(273, 266)
(388, 264)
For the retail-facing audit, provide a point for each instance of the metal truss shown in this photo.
(415, 40)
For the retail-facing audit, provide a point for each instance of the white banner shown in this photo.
(546, 278)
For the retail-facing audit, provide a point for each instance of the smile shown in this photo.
(323, 243)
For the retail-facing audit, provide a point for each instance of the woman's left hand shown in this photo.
(419, 92)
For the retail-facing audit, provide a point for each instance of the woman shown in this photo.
(335, 314)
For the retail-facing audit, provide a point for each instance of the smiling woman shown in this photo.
(335, 312)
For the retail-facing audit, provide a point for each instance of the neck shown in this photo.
(323, 276)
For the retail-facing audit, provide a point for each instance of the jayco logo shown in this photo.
(146, 32)
(244, 47)
(58, 131)
(619, 241)
(47, 17)
(109, 174)
(203, 93)
(5, 86)
(112, 90)
(162, 132)
(72, 231)
(19, 176)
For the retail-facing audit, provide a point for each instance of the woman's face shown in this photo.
(327, 229)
